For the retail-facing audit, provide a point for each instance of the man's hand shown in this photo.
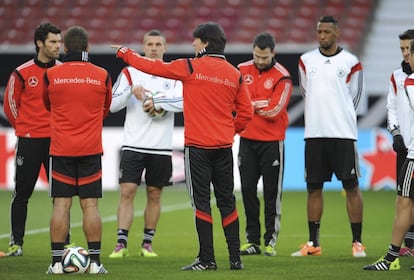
(149, 107)
(120, 50)
(139, 92)
(398, 144)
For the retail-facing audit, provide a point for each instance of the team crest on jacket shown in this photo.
(167, 85)
(248, 79)
(268, 84)
(340, 72)
(32, 81)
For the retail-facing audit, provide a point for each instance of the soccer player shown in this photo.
(261, 150)
(78, 95)
(398, 121)
(24, 108)
(331, 82)
(405, 188)
(212, 90)
(147, 141)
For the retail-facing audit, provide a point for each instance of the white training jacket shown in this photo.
(143, 133)
(398, 108)
(332, 87)
(409, 85)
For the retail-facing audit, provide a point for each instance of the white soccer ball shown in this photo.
(147, 101)
(75, 260)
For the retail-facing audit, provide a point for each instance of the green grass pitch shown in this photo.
(176, 240)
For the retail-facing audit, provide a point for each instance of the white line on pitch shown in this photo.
(140, 213)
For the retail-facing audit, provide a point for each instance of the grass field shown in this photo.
(176, 241)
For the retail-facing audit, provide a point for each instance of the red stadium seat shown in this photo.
(109, 20)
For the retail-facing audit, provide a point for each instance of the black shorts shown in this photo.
(405, 186)
(76, 176)
(158, 168)
(327, 156)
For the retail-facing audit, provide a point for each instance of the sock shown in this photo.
(57, 251)
(314, 232)
(67, 240)
(122, 236)
(94, 250)
(356, 232)
(393, 252)
(409, 238)
(148, 235)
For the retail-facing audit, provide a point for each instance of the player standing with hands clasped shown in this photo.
(147, 141)
(331, 81)
(212, 90)
(261, 151)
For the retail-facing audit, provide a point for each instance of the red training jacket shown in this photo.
(270, 91)
(79, 95)
(23, 103)
(212, 90)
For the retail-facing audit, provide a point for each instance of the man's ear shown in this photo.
(39, 43)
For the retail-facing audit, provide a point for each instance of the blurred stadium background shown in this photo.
(369, 28)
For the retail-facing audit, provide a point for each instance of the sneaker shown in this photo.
(147, 251)
(250, 249)
(70, 245)
(308, 249)
(383, 264)
(358, 250)
(14, 251)
(119, 252)
(94, 268)
(236, 265)
(197, 265)
(57, 268)
(406, 252)
(269, 251)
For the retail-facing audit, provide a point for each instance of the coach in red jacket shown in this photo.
(212, 90)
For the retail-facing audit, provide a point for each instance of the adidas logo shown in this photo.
(327, 61)
(276, 163)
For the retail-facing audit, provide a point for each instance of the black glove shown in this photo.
(398, 144)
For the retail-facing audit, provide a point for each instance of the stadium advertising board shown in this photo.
(377, 160)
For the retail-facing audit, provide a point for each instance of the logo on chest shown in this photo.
(32, 81)
(268, 84)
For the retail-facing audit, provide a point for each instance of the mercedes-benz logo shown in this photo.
(248, 79)
(33, 81)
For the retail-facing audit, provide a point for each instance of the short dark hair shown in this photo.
(42, 31)
(213, 34)
(264, 40)
(407, 35)
(329, 19)
(154, 32)
(76, 39)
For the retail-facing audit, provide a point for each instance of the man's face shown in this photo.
(327, 35)
(50, 49)
(411, 58)
(405, 49)
(198, 45)
(154, 47)
(262, 58)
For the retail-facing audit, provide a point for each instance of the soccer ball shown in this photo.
(75, 260)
